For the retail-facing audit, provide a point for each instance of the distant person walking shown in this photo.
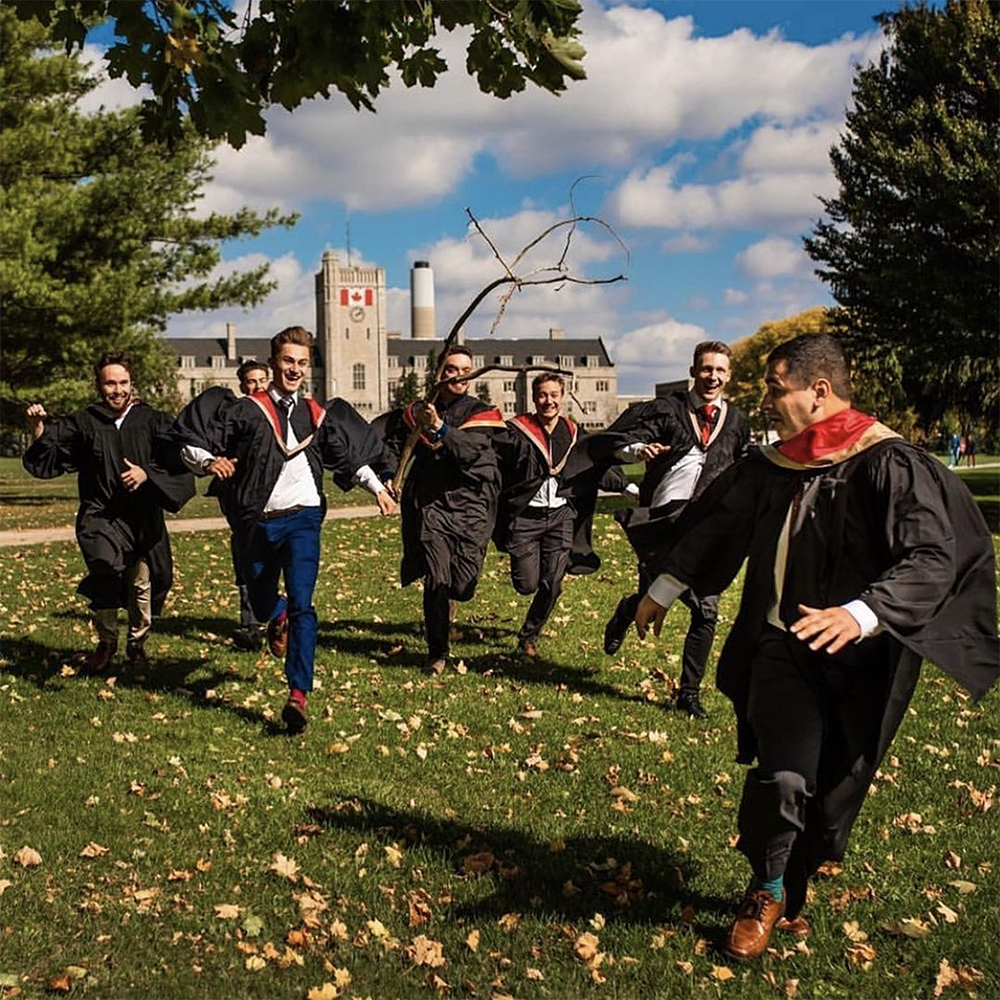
(956, 449)
(970, 450)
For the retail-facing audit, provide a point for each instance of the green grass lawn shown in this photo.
(447, 837)
(26, 502)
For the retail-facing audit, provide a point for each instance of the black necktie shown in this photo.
(284, 410)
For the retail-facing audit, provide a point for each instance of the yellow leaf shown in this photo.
(255, 963)
(424, 951)
(597, 921)
(686, 967)
(227, 911)
(585, 947)
(93, 850)
(394, 855)
(325, 992)
(853, 932)
(28, 857)
(722, 973)
(535, 975)
(950, 916)
(338, 748)
(510, 921)
(285, 867)
(472, 941)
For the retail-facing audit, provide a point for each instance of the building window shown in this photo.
(478, 361)
(508, 407)
(508, 387)
(186, 361)
(590, 406)
(507, 360)
(358, 376)
(393, 383)
(419, 362)
(567, 361)
(593, 361)
(602, 385)
(347, 333)
(393, 361)
(218, 361)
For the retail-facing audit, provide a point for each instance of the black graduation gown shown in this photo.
(116, 528)
(452, 485)
(527, 456)
(888, 525)
(334, 436)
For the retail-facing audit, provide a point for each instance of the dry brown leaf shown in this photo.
(476, 864)
(946, 977)
(472, 941)
(424, 951)
(285, 867)
(535, 975)
(861, 955)
(963, 887)
(510, 921)
(60, 984)
(791, 988)
(950, 916)
(93, 850)
(28, 857)
(686, 967)
(722, 973)
(952, 860)
(255, 963)
(853, 932)
(585, 947)
(394, 855)
(334, 748)
(180, 875)
(325, 992)
(227, 911)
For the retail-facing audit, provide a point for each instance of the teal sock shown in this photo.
(776, 887)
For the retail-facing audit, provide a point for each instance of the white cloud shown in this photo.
(734, 297)
(651, 81)
(781, 149)
(772, 257)
(651, 198)
(109, 94)
(658, 352)
(686, 243)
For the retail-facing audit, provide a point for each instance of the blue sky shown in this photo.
(703, 127)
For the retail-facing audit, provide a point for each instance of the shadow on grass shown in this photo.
(625, 878)
(44, 667)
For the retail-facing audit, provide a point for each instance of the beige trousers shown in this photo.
(140, 609)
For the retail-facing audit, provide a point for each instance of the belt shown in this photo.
(270, 515)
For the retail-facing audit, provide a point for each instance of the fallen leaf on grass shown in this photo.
(950, 916)
(93, 850)
(255, 963)
(28, 857)
(227, 911)
(791, 988)
(853, 932)
(965, 976)
(861, 956)
(963, 887)
(472, 941)
(585, 947)
(335, 748)
(722, 973)
(5, 884)
(535, 975)
(325, 992)
(394, 855)
(477, 864)
(686, 967)
(60, 984)
(424, 951)
(285, 867)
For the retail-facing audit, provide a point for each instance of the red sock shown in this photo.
(297, 696)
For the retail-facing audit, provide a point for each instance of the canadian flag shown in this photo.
(355, 296)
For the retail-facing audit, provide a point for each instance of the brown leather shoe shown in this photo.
(277, 635)
(435, 665)
(797, 926)
(100, 659)
(136, 656)
(294, 716)
(751, 930)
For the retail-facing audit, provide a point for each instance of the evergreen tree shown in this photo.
(911, 245)
(407, 389)
(100, 242)
(430, 373)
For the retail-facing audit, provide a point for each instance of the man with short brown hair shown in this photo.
(127, 476)
(272, 447)
(687, 439)
(535, 520)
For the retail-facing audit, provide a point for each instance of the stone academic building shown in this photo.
(358, 359)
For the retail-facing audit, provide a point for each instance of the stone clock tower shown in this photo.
(351, 334)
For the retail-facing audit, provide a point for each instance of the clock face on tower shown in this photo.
(357, 314)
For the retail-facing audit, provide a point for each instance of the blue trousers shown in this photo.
(288, 546)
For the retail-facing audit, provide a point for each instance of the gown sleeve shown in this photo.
(57, 450)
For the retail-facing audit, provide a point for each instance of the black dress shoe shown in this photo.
(689, 703)
(618, 624)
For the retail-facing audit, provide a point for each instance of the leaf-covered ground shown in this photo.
(551, 830)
